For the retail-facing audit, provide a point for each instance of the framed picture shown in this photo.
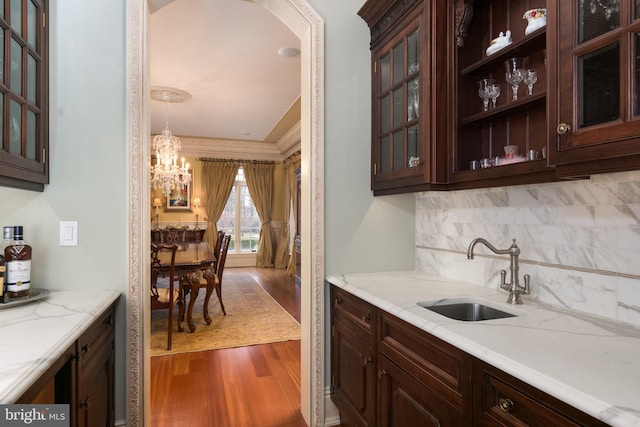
(180, 198)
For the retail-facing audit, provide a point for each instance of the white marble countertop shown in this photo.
(33, 336)
(589, 363)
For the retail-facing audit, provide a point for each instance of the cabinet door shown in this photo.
(352, 375)
(404, 401)
(96, 389)
(597, 124)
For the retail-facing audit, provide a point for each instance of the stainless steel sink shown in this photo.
(468, 311)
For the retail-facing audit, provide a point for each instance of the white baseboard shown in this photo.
(331, 414)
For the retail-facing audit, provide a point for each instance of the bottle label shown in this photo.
(2, 270)
(18, 275)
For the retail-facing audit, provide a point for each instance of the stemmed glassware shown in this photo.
(484, 92)
(514, 73)
(494, 93)
(530, 78)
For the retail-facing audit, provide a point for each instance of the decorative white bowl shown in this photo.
(536, 18)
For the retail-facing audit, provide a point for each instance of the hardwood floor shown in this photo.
(238, 387)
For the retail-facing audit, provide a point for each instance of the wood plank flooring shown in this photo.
(239, 387)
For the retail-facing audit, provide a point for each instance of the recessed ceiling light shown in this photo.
(245, 133)
(289, 52)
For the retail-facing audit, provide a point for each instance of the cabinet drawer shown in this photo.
(504, 400)
(346, 306)
(442, 367)
(92, 340)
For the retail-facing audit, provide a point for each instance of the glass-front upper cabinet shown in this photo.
(404, 154)
(24, 99)
(598, 65)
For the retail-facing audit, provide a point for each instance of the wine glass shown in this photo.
(494, 93)
(483, 92)
(514, 74)
(530, 78)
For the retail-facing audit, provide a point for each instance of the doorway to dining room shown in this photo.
(305, 22)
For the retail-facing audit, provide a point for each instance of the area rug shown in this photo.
(253, 317)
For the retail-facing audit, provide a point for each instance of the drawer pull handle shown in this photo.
(382, 373)
(506, 404)
(337, 301)
(366, 318)
(366, 361)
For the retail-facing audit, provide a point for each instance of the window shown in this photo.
(24, 96)
(240, 218)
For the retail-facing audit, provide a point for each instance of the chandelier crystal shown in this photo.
(166, 174)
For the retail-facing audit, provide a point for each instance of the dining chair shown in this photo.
(174, 235)
(211, 277)
(164, 298)
(218, 246)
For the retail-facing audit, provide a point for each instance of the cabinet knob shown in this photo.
(366, 318)
(506, 404)
(563, 128)
(337, 301)
(382, 373)
(366, 361)
(85, 404)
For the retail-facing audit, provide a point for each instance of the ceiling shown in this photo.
(244, 94)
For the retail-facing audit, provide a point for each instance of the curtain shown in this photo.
(259, 178)
(284, 242)
(218, 179)
(294, 166)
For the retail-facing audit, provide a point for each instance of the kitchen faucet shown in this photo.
(514, 288)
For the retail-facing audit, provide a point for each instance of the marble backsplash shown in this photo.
(579, 240)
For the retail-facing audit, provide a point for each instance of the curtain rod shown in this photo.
(255, 162)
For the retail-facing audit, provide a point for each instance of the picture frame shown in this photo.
(180, 198)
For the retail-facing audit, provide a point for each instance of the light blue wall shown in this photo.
(87, 161)
(362, 233)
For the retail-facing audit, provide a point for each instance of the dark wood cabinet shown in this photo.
(386, 372)
(502, 400)
(423, 380)
(353, 359)
(83, 377)
(408, 94)
(595, 113)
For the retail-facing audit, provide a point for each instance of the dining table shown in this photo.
(193, 262)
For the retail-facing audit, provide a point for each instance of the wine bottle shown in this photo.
(18, 266)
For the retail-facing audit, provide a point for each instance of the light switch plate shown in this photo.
(68, 233)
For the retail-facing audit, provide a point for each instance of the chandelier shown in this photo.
(166, 174)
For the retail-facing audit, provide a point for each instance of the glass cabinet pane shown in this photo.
(2, 57)
(399, 161)
(385, 73)
(31, 79)
(15, 128)
(31, 24)
(597, 17)
(636, 75)
(16, 67)
(398, 63)
(385, 152)
(31, 135)
(599, 85)
(398, 107)
(413, 100)
(16, 16)
(412, 53)
(385, 103)
(412, 141)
